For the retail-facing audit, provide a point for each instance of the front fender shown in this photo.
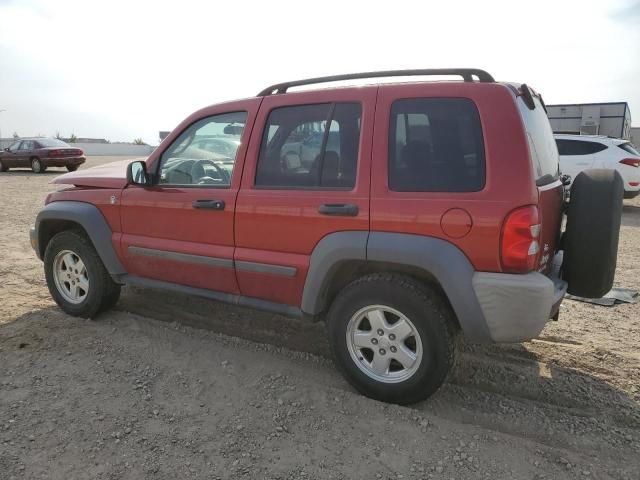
(86, 215)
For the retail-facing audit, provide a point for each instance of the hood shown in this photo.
(109, 175)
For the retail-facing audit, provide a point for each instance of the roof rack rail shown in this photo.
(466, 73)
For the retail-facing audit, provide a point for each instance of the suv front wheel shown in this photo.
(76, 277)
(393, 337)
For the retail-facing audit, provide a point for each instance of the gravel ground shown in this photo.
(168, 386)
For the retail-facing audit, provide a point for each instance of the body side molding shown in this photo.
(240, 300)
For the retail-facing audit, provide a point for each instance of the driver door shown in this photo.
(180, 229)
(11, 158)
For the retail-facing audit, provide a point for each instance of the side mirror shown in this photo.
(137, 174)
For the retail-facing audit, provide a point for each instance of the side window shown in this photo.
(26, 145)
(579, 147)
(435, 145)
(594, 147)
(310, 146)
(205, 153)
(15, 146)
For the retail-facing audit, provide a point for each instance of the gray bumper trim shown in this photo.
(517, 307)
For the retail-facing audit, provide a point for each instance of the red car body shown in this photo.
(44, 152)
(276, 227)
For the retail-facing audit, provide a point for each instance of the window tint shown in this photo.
(578, 147)
(629, 148)
(26, 145)
(435, 145)
(310, 146)
(205, 153)
(542, 145)
(15, 146)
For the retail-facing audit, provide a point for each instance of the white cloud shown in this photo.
(124, 69)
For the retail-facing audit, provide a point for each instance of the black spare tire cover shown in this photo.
(591, 236)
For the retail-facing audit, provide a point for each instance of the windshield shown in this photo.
(51, 142)
(629, 148)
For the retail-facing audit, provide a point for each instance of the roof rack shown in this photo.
(467, 75)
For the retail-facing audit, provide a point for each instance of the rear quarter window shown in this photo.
(435, 145)
(542, 144)
(629, 148)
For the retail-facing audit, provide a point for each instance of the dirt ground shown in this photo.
(169, 387)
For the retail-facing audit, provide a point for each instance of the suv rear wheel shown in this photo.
(76, 277)
(393, 337)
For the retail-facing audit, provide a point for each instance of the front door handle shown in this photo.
(339, 209)
(210, 204)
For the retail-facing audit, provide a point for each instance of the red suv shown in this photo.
(401, 214)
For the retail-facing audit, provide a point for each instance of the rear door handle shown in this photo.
(339, 209)
(210, 204)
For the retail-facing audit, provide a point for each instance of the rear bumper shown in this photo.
(63, 161)
(631, 193)
(517, 307)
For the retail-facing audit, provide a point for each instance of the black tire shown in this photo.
(3, 168)
(432, 318)
(37, 166)
(591, 237)
(102, 293)
(72, 168)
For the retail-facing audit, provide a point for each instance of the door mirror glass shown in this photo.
(137, 174)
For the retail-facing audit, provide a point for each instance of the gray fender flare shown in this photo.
(441, 259)
(90, 218)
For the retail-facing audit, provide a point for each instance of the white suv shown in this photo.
(581, 152)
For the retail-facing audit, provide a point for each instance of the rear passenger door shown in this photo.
(306, 176)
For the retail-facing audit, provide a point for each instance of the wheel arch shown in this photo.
(60, 216)
(340, 258)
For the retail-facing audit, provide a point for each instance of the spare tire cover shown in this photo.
(591, 236)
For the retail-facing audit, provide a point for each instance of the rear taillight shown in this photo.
(632, 162)
(519, 245)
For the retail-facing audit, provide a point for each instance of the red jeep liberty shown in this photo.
(401, 214)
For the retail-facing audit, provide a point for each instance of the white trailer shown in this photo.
(609, 119)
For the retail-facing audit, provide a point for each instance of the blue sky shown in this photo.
(126, 69)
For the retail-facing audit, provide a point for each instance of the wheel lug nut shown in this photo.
(392, 336)
(382, 351)
(393, 349)
(380, 332)
(374, 341)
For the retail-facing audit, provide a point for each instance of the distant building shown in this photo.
(635, 136)
(610, 119)
(86, 140)
(163, 134)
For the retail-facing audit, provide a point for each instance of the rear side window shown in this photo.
(310, 146)
(578, 147)
(435, 145)
(629, 148)
(542, 145)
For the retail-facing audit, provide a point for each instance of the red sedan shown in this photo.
(39, 154)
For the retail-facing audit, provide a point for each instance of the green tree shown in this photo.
(73, 138)
(139, 141)
(16, 136)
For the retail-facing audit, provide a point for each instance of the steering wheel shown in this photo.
(198, 172)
